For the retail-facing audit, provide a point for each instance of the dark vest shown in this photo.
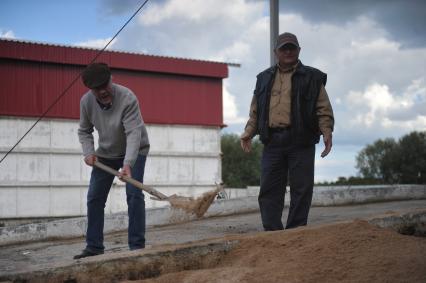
(305, 88)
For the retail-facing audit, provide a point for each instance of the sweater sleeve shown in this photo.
(85, 131)
(132, 123)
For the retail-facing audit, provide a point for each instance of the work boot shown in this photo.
(86, 253)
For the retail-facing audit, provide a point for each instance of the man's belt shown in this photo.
(279, 129)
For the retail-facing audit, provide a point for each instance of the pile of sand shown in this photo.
(343, 252)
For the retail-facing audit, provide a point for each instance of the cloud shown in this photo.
(97, 43)
(230, 111)
(415, 102)
(401, 20)
(200, 12)
(7, 34)
(374, 104)
(190, 28)
(379, 108)
(114, 7)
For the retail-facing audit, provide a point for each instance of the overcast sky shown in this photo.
(374, 53)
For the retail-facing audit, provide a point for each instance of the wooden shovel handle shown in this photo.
(132, 181)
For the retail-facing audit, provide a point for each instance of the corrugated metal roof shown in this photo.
(36, 51)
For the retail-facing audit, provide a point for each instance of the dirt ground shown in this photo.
(344, 252)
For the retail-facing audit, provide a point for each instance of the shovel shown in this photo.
(190, 205)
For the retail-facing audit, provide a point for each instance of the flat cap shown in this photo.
(96, 75)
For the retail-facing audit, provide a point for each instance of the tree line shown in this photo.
(395, 162)
(386, 161)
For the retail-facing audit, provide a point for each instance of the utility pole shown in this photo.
(273, 4)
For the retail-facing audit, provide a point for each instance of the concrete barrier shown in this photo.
(343, 195)
(323, 196)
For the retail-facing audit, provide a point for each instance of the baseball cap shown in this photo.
(286, 38)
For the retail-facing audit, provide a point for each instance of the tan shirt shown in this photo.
(280, 106)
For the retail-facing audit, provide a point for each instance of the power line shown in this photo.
(73, 81)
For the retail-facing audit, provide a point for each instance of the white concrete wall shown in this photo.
(344, 195)
(45, 176)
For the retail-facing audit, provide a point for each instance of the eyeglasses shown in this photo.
(289, 47)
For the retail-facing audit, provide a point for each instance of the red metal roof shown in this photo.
(170, 90)
(32, 51)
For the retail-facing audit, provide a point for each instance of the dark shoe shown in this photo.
(86, 253)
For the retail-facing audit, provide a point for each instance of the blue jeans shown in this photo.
(100, 184)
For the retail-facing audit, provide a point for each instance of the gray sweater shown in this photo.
(122, 132)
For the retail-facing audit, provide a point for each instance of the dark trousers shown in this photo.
(282, 160)
(100, 184)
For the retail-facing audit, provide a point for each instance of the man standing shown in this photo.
(113, 110)
(290, 109)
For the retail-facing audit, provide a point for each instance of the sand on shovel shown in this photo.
(197, 206)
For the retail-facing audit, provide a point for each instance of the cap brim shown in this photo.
(288, 42)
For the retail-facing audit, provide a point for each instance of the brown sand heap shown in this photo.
(197, 206)
(343, 252)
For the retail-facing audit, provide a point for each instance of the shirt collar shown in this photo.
(109, 105)
(104, 106)
(289, 69)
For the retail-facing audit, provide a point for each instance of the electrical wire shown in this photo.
(73, 82)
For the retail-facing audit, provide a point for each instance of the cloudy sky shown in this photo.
(374, 53)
